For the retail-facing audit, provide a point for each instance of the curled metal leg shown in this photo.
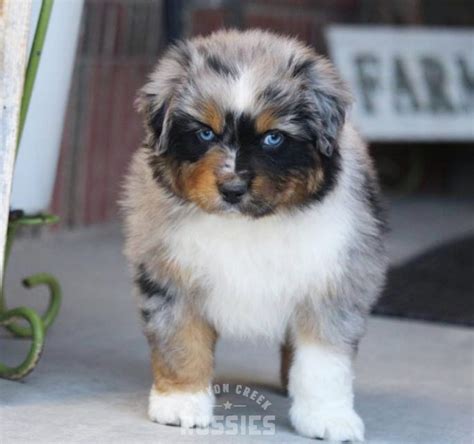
(37, 341)
(11, 319)
(53, 307)
(35, 280)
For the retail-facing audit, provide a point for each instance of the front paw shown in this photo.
(181, 408)
(331, 423)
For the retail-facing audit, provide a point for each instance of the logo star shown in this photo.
(227, 405)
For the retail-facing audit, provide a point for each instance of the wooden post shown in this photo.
(15, 17)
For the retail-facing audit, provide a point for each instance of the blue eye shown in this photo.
(273, 140)
(206, 135)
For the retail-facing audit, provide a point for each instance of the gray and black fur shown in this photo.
(253, 208)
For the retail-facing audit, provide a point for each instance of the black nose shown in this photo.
(233, 192)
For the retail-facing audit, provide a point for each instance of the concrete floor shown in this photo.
(414, 380)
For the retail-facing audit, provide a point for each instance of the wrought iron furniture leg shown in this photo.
(38, 325)
(37, 332)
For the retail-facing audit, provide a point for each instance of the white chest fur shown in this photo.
(255, 271)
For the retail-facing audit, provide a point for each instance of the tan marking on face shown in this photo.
(298, 189)
(264, 189)
(185, 361)
(315, 180)
(212, 117)
(295, 190)
(265, 121)
(198, 180)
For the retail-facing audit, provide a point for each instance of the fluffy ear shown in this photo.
(154, 98)
(155, 116)
(329, 99)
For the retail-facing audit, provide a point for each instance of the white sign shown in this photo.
(408, 83)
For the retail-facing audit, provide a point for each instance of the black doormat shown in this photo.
(435, 286)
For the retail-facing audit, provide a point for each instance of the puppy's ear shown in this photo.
(154, 115)
(153, 100)
(329, 100)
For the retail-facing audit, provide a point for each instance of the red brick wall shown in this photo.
(305, 19)
(119, 43)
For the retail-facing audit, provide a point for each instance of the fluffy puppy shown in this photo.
(251, 209)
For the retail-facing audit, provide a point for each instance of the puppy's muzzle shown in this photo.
(233, 191)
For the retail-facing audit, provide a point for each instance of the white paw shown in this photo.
(181, 408)
(333, 423)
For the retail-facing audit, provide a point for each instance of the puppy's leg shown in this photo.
(286, 355)
(182, 371)
(320, 385)
(182, 349)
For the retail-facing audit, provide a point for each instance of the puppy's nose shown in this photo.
(232, 192)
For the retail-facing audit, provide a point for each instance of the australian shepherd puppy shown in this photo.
(251, 209)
